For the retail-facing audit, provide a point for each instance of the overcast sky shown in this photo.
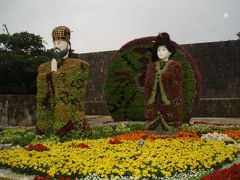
(103, 25)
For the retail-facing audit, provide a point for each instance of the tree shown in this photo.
(20, 56)
(238, 34)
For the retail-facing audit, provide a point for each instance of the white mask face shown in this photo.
(61, 48)
(60, 44)
(163, 53)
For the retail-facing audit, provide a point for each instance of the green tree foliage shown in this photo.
(238, 34)
(20, 56)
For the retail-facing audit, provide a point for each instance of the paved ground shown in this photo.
(98, 119)
(217, 120)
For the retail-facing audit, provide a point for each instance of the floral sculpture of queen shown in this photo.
(130, 96)
(163, 87)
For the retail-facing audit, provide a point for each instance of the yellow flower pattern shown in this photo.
(155, 158)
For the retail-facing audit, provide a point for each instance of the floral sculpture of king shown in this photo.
(163, 87)
(61, 88)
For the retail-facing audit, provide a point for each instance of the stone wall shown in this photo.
(99, 63)
(219, 64)
(17, 110)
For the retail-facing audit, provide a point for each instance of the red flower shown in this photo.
(48, 178)
(30, 146)
(36, 177)
(37, 147)
(227, 172)
(208, 177)
(40, 178)
(115, 141)
(218, 177)
(236, 176)
(82, 145)
(232, 173)
(216, 173)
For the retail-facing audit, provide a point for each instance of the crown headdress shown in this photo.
(61, 33)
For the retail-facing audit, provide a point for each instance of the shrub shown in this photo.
(17, 136)
(194, 128)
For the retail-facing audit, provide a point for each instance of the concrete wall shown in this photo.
(17, 110)
(219, 63)
(99, 63)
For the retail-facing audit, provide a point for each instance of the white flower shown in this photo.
(218, 137)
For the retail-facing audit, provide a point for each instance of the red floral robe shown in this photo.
(163, 92)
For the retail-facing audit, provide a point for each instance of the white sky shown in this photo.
(103, 25)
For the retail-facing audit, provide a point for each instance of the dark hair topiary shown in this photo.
(163, 39)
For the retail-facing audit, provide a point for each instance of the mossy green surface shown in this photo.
(123, 86)
(122, 93)
(61, 95)
(45, 105)
(189, 91)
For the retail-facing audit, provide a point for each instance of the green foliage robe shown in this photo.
(60, 96)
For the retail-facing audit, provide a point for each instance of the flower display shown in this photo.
(232, 173)
(156, 158)
(217, 136)
(37, 147)
(180, 135)
(42, 178)
(80, 145)
(231, 133)
(133, 135)
(115, 141)
(147, 135)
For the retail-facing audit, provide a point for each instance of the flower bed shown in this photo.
(232, 173)
(155, 158)
(133, 155)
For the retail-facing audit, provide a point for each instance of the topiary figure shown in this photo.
(163, 86)
(61, 88)
(124, 84)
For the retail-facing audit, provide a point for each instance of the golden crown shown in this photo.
(61, 33)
